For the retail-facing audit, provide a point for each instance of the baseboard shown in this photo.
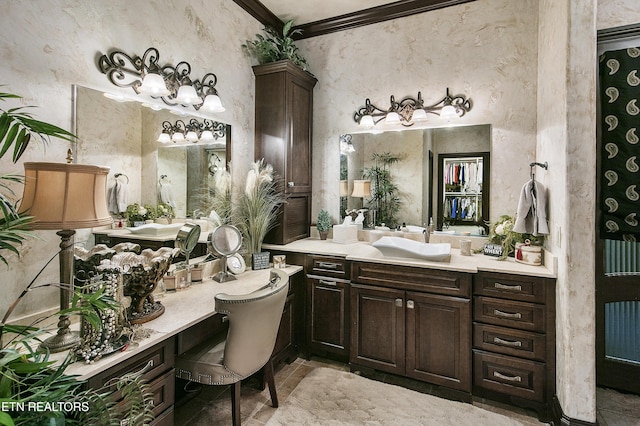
(561, 419)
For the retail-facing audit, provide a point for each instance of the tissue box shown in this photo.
(345, 234)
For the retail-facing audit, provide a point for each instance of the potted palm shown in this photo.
(323, 224)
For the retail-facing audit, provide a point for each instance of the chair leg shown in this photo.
(235, 403)
(269, 377)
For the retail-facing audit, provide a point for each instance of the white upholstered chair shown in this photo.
(253, 319)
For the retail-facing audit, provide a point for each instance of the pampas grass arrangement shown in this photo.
(257, 207)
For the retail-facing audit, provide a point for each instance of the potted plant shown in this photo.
(276, 47)
(257, 208)
(323, 224)
(501, 232)
(384, 198)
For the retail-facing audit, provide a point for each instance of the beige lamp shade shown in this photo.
(361, 188)
(344, 188)
(65, 196)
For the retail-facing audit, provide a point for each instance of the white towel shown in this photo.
(117, 197)
(531, 217)
(166, 194)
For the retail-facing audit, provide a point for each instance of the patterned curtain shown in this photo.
(620, 114)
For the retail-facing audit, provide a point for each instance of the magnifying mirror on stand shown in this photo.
(186, 241)
(224, 241)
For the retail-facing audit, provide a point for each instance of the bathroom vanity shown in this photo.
(474, 325)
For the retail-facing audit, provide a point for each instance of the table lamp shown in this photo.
(65, 197)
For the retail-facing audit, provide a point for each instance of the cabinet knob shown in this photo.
(399, 303)
(409, 304)
(291, 184)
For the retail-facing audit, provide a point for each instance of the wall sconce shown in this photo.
(411, 110)
(173, 85)
(346, 145)
(194, 131)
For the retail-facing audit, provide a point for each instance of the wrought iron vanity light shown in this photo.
(411, 110)
(172, 84)
(194, 131)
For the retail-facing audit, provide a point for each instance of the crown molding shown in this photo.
(398, 9)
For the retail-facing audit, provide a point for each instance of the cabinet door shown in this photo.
(285, 346)
(377, 328)
(298, 171)
(439, 340)
(328, 322)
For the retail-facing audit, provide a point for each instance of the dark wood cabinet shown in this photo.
(328, 322)
(283, 119)
(514, 340)
(402, 326)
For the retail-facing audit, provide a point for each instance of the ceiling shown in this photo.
(317, 17)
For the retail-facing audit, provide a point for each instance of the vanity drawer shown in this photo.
(509, 341)
(526, 316)
(447, 283)
(508, 375)
(513, 287)
(162, 391)
(328, 266)
(151, 362)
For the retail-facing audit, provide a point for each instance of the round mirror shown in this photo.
(225, 240)
(187, 237)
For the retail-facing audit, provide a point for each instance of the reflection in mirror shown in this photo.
(123, 136)
(415, 174)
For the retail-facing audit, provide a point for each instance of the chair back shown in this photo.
(254, 320)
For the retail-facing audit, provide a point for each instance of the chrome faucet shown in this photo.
(197, 213)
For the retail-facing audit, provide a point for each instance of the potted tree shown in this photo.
(323, 224)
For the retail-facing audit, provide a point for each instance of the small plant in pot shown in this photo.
(323, 224)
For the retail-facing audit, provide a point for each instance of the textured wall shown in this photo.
(486, 49)
(48, 45)
(616, 13)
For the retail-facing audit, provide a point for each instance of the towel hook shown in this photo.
(544, 165)
(117, 175)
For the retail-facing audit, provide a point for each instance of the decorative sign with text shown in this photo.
(260, 260)
(493, 250)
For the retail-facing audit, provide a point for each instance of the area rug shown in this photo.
(332, 397)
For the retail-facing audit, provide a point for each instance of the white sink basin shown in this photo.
(404, 247)
(156, 229)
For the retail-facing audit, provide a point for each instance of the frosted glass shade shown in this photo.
(65, 196)
(367, 121)
(207, 135)
(187, 95)
(178, 137)
(153, 85)
(191, 136)
(419, 115)
(361, 188)
(448, 111)
(212, 103)
(164, 138)
(392, 118)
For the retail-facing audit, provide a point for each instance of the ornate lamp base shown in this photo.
(64, 339)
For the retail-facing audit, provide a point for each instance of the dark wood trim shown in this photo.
(259, 11)
(399, 9)
(618, 33)
(561, 419)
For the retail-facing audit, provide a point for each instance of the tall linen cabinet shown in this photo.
(284, 116)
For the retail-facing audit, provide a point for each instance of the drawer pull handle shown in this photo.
(509, 287)
(515, 344)
(508, 378)
(144, 369)
(499, 313)
(328, 265)
(325, 282)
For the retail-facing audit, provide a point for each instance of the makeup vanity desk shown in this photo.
(189, 318)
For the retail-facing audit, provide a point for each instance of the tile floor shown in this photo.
(212, 405)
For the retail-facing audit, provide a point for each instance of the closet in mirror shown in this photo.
(406, 171)
(124, 136)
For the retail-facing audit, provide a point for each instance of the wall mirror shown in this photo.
(123, 136)
(418, 172)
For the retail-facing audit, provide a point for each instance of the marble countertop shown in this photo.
(126, 233)
(182, 310)
(364, 251)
